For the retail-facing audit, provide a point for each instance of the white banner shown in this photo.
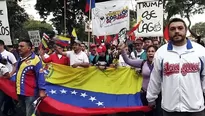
(110, 17)
(4, 24)
(34, 37)
(152, 19)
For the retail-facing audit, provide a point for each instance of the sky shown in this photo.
(29, 7)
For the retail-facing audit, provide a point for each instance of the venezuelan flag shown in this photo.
(89, 91)
(64, 38)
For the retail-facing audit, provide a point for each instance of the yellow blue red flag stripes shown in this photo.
(89, 91)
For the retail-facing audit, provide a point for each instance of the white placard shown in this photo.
(34, 37)
(88, 26)
(110, 17)
(152, 19)
(4, 24)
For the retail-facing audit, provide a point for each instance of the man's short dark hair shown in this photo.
(146, 38)
(2, 42)
(28, 42)
(177, 20)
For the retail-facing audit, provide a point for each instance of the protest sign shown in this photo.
(152, 18)
(34, 37)
(4, 24)
(110, 17)
(88, 26)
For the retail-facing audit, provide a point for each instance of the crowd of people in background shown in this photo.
(140, 55)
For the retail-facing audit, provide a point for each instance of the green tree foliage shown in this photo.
(16, 16)
(74, 12)
(38, 25)
(185, 8)
(42, 26)
(199, 29)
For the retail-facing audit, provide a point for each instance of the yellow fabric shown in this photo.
(64, 38)
(74, 33)
(44, 43)
(112, 81)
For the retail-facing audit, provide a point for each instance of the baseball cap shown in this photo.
(138, 41)
(101, 49)
(93, 45)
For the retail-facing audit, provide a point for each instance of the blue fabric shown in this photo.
(91, 57)
(40, 75)
(92, 3)
(202, 67)
(82, 98)
(188, 46)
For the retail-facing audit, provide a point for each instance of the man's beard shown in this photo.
(178, 40)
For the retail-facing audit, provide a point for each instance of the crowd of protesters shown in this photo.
(158, 64)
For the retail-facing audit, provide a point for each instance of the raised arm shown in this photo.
(132, 62)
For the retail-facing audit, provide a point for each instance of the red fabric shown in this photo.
(99, 39)
(132, 36)
(101, 48)
(30, 84)
(166, 33)
(62, 43)
(66, 109)
(8, 87)
(54, 58)
(87, 7)
(50, 105)
(108, 39)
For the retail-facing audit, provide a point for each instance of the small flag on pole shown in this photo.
(74, 33)
(44, 42)
(89, 5)
(45, 36)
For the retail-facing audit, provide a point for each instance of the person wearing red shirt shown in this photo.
(56, 57)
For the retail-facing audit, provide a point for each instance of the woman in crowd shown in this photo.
(146, 68)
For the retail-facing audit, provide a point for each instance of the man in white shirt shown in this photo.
(179, 73)
(11, 60)
(78, 58)
(11, 65)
